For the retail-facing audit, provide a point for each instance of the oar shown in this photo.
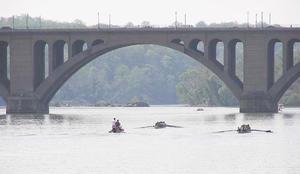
(144, 127)
(257, 130)
(225, 131)
(268, 131)
(174, 126)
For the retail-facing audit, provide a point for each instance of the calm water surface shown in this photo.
(76, 141)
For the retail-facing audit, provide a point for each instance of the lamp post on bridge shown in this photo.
(248, 19)
(27, 21)
(176, 19)
(262, 20)
(256, 20)
(98, 21)
(13, 22)
(109, 21)
(40, 22)
(185, 20)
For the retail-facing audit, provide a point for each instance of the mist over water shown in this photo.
(76, 140)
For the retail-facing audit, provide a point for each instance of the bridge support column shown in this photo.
(27, 105)
(257, 103)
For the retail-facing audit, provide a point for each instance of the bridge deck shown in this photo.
(150, 29)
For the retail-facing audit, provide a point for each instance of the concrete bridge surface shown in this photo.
(27, 87)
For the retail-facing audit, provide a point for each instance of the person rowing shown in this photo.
(113, 126)
(116, 126)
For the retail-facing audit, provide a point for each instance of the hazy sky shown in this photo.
(160, 12)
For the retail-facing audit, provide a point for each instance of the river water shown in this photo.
(76, 141)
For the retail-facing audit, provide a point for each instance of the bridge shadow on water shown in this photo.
(252, 116)
(242, 116)
(258, 116)
(44, 119)
(231, 117)
(36, 119)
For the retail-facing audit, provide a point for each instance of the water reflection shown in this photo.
(230, 117)
(288, 116)
(55, 119)
(3, 120)
(36, 119)
(68, 118)
(48, 119)
(210, 118)
(257, 116)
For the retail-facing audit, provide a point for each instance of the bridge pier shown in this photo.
(25, 105)
(257, 103)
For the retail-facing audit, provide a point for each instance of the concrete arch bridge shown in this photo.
(27, 87)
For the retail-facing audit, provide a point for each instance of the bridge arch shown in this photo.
(197, 45)
(214, 55)
(40, 54)
(272, 60)
(78, 46)
(4, 71)
(59, 52)
(291, 57)
(4, 59)
(178, 41)
(50, 86)
(97, 42)
(233, 46)
(292, 71)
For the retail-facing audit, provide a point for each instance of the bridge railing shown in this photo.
(159, 27)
